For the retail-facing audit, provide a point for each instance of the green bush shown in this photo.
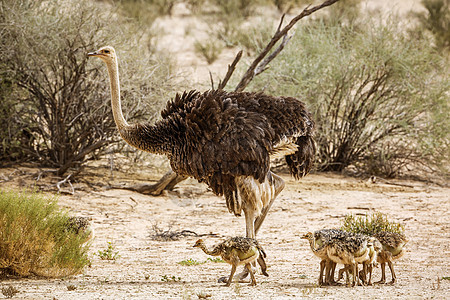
(13, 133)
(59, 98)
(370, 224)
(210, 49)
(436, 19)
(374, 94)
(145, 11)
(34, 238)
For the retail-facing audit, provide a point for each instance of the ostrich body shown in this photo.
(238, 251)
(349, 249)
(80, 225)
(367, 259)
(392, 249)
(225, 139)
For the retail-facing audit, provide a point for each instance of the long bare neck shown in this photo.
(141, 136)
(214, 252)
(113, 71)
(312, 244)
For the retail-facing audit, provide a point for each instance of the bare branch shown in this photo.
(230, 71)
(281, 22)
(248, 76)
(212, 80)
(58, 185)
(262, 66)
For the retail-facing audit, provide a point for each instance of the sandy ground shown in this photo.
(150, 269)
(146, 267)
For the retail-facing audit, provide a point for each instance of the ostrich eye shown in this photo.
(106, 51)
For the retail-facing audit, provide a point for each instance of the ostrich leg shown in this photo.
(277, 185)
(272, 186)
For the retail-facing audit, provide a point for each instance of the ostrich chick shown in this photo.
(392, 249)
(80, 225)
(319, 241)
(349, 249)
(367, 260)
(238, 251)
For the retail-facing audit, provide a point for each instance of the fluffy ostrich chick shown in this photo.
(238, 251)
(392, 249)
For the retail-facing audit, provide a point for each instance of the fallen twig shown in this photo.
(58, 185)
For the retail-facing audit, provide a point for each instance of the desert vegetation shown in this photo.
(377, 95)
(53, 101)
(378, 88)
(378, 92)
(370, 224)
(35, 239)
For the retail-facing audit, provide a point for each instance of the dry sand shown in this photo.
(127, 220)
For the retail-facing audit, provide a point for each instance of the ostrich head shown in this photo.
(199, 243)
(308, 236)
(107, 54)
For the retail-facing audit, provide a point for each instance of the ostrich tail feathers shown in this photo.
(234, 202)
(301, 162)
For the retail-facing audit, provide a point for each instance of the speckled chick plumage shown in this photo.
(322, 238)
(80, 225)
(319, 241)
(237, 251)
(392, 242)
(392, 249)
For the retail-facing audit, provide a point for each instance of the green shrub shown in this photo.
(61, 99)
(370, 224)
(145, 11)
(14, 135)
(436, 19)
(209, 49)
(373, 92)
(34, 239)
(190, 262)
(255, 37)
(109, 253)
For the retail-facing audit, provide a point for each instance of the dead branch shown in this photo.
(58, 185)
(250, 73)
(169, 235)
(262, 67)
(230, 71)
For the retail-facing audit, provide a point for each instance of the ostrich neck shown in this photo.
(145, 137)
(215, 252)
(113, 71)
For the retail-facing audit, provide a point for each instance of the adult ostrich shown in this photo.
(225, 139)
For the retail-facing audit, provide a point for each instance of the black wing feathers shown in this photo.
(222, 135)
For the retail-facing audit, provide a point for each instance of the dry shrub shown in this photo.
(436, 20)
(59, 98)
(375, 94)
(210, 49)
(34, 239)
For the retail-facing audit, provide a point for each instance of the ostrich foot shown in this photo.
(380, 282)
(224, 279)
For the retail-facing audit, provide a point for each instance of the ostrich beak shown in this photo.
(92, 54)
